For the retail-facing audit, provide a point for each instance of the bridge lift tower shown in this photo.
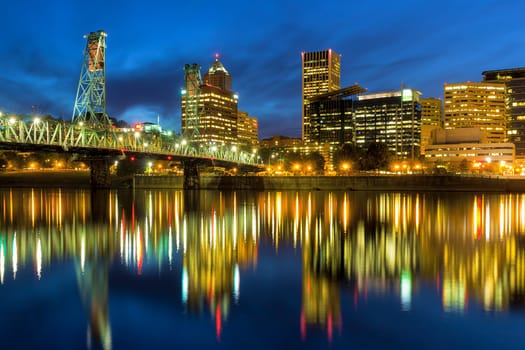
(191, 103)
(90, 103)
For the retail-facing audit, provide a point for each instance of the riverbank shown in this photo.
(421, 183)
(45, 178)
(452, 183)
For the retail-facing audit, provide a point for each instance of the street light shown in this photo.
(345, 167)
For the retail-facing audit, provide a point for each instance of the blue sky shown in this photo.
(421, 44)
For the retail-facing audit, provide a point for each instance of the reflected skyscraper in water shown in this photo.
(217, 243)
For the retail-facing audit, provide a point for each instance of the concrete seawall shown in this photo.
(341, 183)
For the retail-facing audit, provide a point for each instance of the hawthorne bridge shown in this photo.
(91, 136)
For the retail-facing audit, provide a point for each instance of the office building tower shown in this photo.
(320, 74)
(431, 118)
(218, 76)
(212, 106)
(331, 116)
(514, 80)
(247, 129)
(473, 104)
(392, 118)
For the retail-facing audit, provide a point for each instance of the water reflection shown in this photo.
(468, 246)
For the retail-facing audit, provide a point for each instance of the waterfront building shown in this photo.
(514, 80)
(347, 116)
(392, 118)
(247, 129)
(431, 118)
(331, 116)
(214, 107)
(321, 72)
(473, 104)
(451, 147)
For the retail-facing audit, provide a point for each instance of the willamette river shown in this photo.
(251, 270)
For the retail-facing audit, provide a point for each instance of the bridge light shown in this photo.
(214, 149)
(81, 123)
(234, 148)
(12, 120)
(120, 138)
(184, 142)
(137, 134)
(36, 120)
(145, 144)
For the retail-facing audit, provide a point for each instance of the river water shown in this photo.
(172, 269)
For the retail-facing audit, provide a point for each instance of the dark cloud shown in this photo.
(155, 84)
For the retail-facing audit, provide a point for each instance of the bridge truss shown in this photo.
(192, 106)
(37, 134)
(90, 102)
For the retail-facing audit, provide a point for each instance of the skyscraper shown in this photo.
(392, 118)
(514, 80)
(331, 116)
(479, 105)
(214, 106)
(218, 76)
(321, 73)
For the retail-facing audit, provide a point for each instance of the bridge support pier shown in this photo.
(191, 175)
(99, 176)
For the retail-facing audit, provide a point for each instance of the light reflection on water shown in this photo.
(467, 247)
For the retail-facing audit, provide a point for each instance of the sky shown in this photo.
(384, 45)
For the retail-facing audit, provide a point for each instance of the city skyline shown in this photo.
(383, 45)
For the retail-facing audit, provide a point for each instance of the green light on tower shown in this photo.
(406, 95)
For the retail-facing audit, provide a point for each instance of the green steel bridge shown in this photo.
(101, 147)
